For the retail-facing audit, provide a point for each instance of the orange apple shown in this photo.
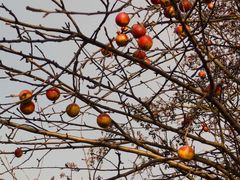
(18, 152)
(25, 95)
(165, 3)
(53, 93)
(121, 39)
(169, 12)
(210, 5)
(186, 152)
(180, 31)
(73, 110)
(27, 108)
(104, 120)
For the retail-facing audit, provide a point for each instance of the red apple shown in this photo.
(138, 30)
(139, 54)
(25, 95)
(145, 61)
(73, 110)
(145, 42)
(156, 1)
(205, 127)
(53, 93)
(185, 5)
(202, 74)
(121, 39)
(27, 108)
(18, 152)
(122, 19)
(186, 152)
(169, 12)
(104, 120)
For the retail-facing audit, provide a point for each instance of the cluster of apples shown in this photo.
(138, 32)
(27, 106)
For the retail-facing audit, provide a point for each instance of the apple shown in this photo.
(202, 74)
(145, 42)
(169, 12)
(105, 52)
(139, 54)
(145, 61)
(18, 152)
(27, 108)
(122, 19)
(25, 95)
(210, 5)
(185, 5)
(205, 127)
(53, 93)
(138, 30)
(180, 31)
(121, 39)
(104, 120)
(73, 110)
(165, 3)
(156, 1)
(186, 152)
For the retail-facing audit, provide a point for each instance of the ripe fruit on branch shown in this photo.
(145, 61)
(27, 108)
(145, 42)
(53, 93)
(202, 74)
(180, 31)
(165, 3)
(139, 54)
(104, 120)
(138, 30)
(186, 152)
(156, 1)
(169, 12)
(205, 127)
(122, 19)
(121, 39)
(105, 52)
(185, 5)
(210, 5)
(18, 152)
(73, 110)
(25, 95)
